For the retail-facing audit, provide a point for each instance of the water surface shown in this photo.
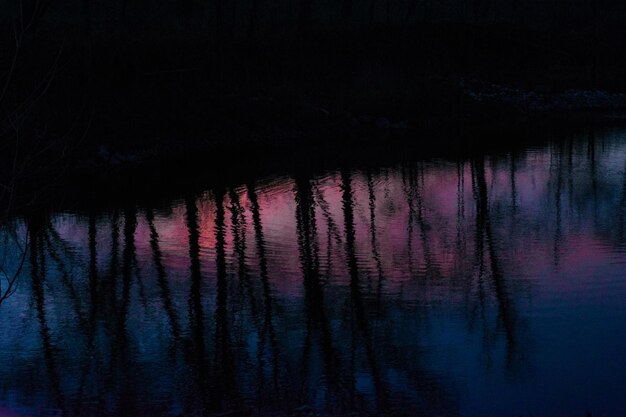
(491, 285)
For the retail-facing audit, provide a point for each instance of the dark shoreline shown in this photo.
(96, 98)
(162, 174)
(99, 121)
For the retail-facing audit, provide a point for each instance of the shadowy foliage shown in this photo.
(171, 77)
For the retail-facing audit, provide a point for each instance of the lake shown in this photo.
(486, 285)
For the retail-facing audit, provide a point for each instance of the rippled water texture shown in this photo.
(489, 286)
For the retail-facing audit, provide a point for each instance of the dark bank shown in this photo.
(91, 86)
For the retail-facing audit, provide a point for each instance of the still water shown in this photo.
(487, 286)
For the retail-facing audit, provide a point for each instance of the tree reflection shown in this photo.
(13, 255)
(225, 390)
(38, 272)
(269, 330)
(315, 294)
(358, 308)
(196, 313)
(484, 234)
(161, 275)
(317, 325)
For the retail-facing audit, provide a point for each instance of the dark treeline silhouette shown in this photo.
(107, 80)
(256, 38)
(199, 19)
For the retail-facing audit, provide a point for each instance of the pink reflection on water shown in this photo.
(424, 226)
